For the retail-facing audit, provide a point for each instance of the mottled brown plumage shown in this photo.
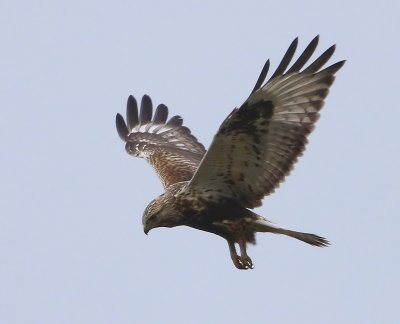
(253, 151)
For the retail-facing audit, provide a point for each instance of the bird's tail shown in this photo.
(263, 225)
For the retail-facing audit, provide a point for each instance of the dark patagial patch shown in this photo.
(256, 149)
(229, 182)
(244, 118)
(256, 139)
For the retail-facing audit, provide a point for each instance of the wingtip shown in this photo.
(262, 76)
(146, 97)
(335, 67)
(122, 129)
(175, 121)
(131, 99)
(146, 110)
(131, 113)
(314, 42)
(294, 43)
(161, 114)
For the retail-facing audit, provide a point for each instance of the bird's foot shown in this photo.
(237, 261)
(246, 262)
(242, 263)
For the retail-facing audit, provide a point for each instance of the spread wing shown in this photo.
(167, 145)
(258, 143)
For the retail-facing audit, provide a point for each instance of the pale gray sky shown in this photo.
(71, 239)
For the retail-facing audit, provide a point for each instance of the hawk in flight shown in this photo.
(253, 151)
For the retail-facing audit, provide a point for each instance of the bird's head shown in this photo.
(161, 212)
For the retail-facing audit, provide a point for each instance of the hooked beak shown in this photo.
(146, 230)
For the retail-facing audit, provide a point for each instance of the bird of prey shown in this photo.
(253, 151)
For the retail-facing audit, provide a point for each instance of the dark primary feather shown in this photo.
(132, 113)
(305, 56)
(320, 61)
(161, 114)
(258, 143)
(123, 131)
(286, 59)
(175, 121)
(146, 110)
(168, 146)
(262, 76)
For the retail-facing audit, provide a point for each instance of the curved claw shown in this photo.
(243, 263)
(237, 261)
(246, 261)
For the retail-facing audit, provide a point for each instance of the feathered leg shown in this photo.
(246, 261)
(235, 258)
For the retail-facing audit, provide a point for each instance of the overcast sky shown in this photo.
(72, 246)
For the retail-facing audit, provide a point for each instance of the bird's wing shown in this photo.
(167, 145)
(259, 142)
